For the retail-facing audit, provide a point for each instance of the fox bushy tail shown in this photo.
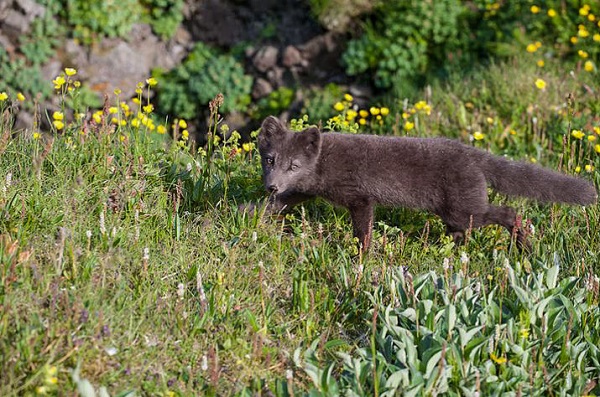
(530, 180)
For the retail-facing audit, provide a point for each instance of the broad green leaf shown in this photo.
(552, 276)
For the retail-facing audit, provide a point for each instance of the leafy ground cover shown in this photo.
(128, 267)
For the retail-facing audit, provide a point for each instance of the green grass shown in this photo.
(125, 254)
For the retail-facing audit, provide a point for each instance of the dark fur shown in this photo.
(443, 176)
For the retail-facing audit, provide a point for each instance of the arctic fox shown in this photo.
(441, 175)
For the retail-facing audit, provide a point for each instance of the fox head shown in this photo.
(289, 159)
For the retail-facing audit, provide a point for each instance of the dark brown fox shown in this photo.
(441, 175)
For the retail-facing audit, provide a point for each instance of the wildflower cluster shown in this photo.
(583, 43)
(410, 115)
(351, 117)
(65, 83)
(592, 138)
(49, 381)
(346, 119)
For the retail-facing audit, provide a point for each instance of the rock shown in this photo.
(114, 63)
(275, 76)
(6, 44)
(30, 8)
(216, 22)
(261, 88)
(265, 58)
(16, 17)
(291, 56)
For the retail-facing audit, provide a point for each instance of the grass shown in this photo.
(124, 253)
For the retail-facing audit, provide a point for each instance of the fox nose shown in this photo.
(272, 188)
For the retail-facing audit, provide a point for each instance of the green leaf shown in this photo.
(552, 276)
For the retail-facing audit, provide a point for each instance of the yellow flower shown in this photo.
(591, 17)
(577, 134)
(524, 333)
(148, 108)
(490, 120)
(113, 110)
(182, 124)
(161, 129)
(597, 148)
(351, 114)
(37, 135)
(362, 121)
(135, 123)
(583, 11)
(478, 135)
(582, 54)
(58, 115)
(70, 71)
(152, 81)
(513, 132)
(348, 97)
(363, 113)
(535, 9)
(551, 13)
(77, 84)
(138, 91)
(58, 124)
(41, 390)
(114, 120)
(578, 169)
(498, 360)
(136, 101)
(574, 40)
(533, 160)
(20, 97)
(374, 111)
(52, 380)
(589, 168)
(385, 111)
(596, 37)
(541, 84)
(122, 138)
(338, 106)
(117, 91)
(597, 130)
(405, 115)
(541, 63)
(3, 96)
(588, 66)
(247, 147)
(538, 44)
(185, 135)
(531, 48)
(409, 126)
(592, 138)
(58, 82)
(582, 32)
(490, 277)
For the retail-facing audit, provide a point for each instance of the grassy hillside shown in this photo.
(127, 264)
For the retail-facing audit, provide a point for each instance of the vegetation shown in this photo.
(188, 88)
(129, 265)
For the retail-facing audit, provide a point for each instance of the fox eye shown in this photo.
(294, 167)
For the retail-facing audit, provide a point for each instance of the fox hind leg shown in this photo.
(457, 224)
(362, 223)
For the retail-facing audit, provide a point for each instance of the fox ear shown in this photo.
(310, 140)
(271, 127)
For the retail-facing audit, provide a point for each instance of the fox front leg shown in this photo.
(362, 222)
